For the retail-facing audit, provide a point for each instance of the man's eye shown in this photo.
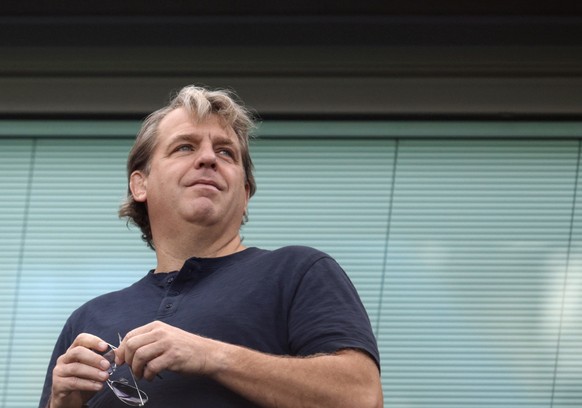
(184, 148)
(226, 152)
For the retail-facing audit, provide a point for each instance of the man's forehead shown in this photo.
(181, 121)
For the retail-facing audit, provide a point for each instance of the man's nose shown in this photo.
(206, 156)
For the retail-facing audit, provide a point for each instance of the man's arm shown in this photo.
(348, 378)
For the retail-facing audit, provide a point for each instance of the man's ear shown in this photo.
(138, 186)
(248, 191)
(248, 195)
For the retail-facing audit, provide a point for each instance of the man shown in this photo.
(215, 324)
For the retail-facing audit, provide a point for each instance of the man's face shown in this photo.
(196, 175)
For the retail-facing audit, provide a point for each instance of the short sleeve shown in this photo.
(327, 315)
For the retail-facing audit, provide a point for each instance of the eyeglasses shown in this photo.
(127, 393)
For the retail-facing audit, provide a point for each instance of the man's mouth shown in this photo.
(207, 183)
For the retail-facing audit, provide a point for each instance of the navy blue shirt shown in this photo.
(294, 301)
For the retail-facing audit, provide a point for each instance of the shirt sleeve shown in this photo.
(327, 315)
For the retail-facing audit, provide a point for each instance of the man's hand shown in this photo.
(79, 373)
(157, 346)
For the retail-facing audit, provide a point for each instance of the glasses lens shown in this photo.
(128, 393)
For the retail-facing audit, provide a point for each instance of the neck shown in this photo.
(174, 250)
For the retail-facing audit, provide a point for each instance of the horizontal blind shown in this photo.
(475, 272)
(568, 382)
(15, 168)
(466, 252)
(74, 248)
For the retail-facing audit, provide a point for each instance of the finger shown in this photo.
(72, 384)
(146, 328)
(136, 339)
(147, 359)
(139, 351)
(119, 355)
(123, 354)
(153, 368)
(89, 341)
(84, 356)
(80, 371)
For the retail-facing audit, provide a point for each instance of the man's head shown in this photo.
(201, 104)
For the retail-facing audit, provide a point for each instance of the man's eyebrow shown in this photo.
(222, 140)
(183, 137)
(192, 137)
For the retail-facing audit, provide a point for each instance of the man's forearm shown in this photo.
(348, 378)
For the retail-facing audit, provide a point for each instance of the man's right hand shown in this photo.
(79, 373)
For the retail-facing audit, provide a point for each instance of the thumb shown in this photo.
(120, 355)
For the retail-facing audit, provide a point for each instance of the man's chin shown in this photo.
(202, 215)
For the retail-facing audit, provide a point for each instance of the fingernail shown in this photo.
(102, 345)
(104, 364)
(103, 374)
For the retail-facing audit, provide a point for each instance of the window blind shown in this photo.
(466, 249)
(476, 273)
(68, 247)
(15, 168)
